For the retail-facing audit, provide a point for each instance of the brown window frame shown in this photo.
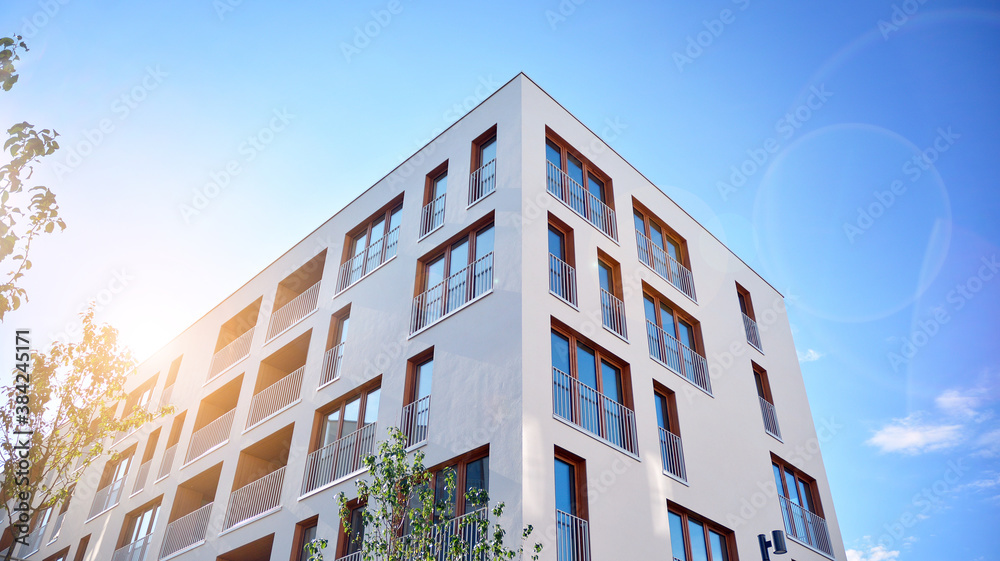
(800, 477)
(762, 383)
(567, 235)
(580, 480)
(617, 290)
(477, 144)
(342, 537)
(745, 301)
(111, 466)
(340, 403)
(649, 220)
(417, 360)
(444, 249)
(337, 326)
(460, 464)
(431, 180)
(385, 213)
(600, 354)
(707, 524)
(132, 518)
(671, 415)
(566, 149)
(60, 555)
(298, 539)
(679, 314)
(81, 550)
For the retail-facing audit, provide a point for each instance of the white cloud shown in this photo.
(989, 445)
(872, 553)
(810, 355)
(954, 402)
(911, 436)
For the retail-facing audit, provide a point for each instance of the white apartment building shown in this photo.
(532, 312)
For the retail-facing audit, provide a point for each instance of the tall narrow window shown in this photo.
(339, 324)
(137, 531)
(562, 274)
(671, 448)
(612, 306)
(352, 540)
(800, 506)
(344, 436)
(749, 319)
(663, 251)
(416, 413)
(766, 401)
(370, 245)
(432, 214)
(580, 185)
(573, 532)
(674, 341)
(305, 532)
(482, 180)
(693, 538)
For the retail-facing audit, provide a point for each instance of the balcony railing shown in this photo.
(331, 365)
(106, 498)
(670, 352)
(57, 525)
(753, 334)
(210, 436)
(255, 499)
(186, 531)
(585, 407)
(482, 182)
(362, 264)
(573, 536)
(770, 418)
(613, 314)
(357, 556)
(452, 294)
(167, 463)
(135, 551)
(33, 542)
(339, 459)
(275, 397)
(806, 527)
(414, 421)
(654, 257)
(463, 528)
(562, 280)
(293, 311)
(581, 201)
(432, 216)
(229, 355)
(141, 476)
(672, 452)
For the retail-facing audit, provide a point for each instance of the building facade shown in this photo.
(531, 312)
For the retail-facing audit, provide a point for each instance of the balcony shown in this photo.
(141, 476)
(339, 459)
(167, 463)
(452, 294)
(562, 280)
(670, 352)
(33, 542)
(805, 527)
(613, 314)
(260, 497)
(583, 202)
(229, 355)
(672, 453)
(463, 529)
(186, 532)
(106, 498)
(584, 407)
(414, 421)
(357, 556)
(274, 398)
(211, 436)
(366, 262)
(432, 216)
(293, 312)
(331, 365)
(753, 334)
(135, 551)
(573, 537)
(770, 418)
(482, 182)
(665, 266)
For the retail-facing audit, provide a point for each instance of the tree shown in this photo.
(402, 523)
(73, 391)
(24, 214)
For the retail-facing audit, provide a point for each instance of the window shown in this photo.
(674, 340)
(800, 506)
(612, 307)
(351, 542)
(767, 409)
(138, 527)
(453, 276)
(482, 180)
(416, 412)
(336, 338)
(580, 185)
(432, 215)
(370, 245)
(664, 251)
(671, 448)
(305, 532)
(81, 550)
(749, 319)
(472, 472)
(112, 481)
(693, 538)
(590, 390)
(562, 274)
(168, 386)
(350, 415)
(573, 535)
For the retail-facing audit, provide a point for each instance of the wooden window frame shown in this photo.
(342, 537)
(175, 367)
(580, 484)
(477, 144)
(649, 219)
(112, 466)
(60, 555)
(765, 383)
(431, 180)
(410, 390)
(567, 233)
(336, 326)
(133, 516)
(151, 442)
(385, 213)
(589, 168)
(361, 391)
(670, 399)
(600, 354)
(81, 550)
(617, 290)
(679, 314)
(460, 464)
(744, 295)
(799, 476)
(298, 539)
(444, 249)
(726, 533)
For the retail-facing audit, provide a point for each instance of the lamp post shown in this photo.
(778, 542)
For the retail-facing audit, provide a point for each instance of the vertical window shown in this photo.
(749, 319)
(562, 274)
(674, 340)
(671, 447)
(337, 337)
(81, 550)
(486, 151)
(140, 525)
(797, 487)
(471, 472)
(305, 532)
(668, 243)
(432, 214)
(482, 179)
(612, 306)
(351, 541)
(416, 411)
(573, 534)
(370, 245)
(348, 416)
(695, 539)
(452, 277)
(582, 172)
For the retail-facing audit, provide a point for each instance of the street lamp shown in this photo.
(778, 538)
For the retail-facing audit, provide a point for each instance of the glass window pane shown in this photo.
(575, 170)
(357, 531)
(560, 352)
(686, 335)
(459, 257)
(793, 492)
(351, 411)
(425, 374)
(611, 381)
(667, 317)
(596, 187)
(371, 406)
(477, 476)
(743, 302)
(720, 552)
(440, 186)
(778, 480)
(435, 273)
(484, 242)
(586, 366)
(330, 428)
(640, 223)
(699, 552)
(650, 308)
(661, 412)
(553, 154)
(556, 242)
(359, 243)
(445, 499)
(565, 487)
(677, 549)
(308, 535)
(656, 235)
(344, 324)
(488, 151)
(394, 218)
(673, 249)
(805, 495)
(378, 231)
(604, 274)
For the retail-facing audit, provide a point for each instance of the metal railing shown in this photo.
(482, 182)
(273, 398)
(562, 280)
(805, 526)
(141, 476)
(293, 311)
(573, 537)
(581, 201)
(753, 334)
(613, 314)
(135, 551)
(362, 264)
(32, 543)
(414, 421)
(167, 463)
(664, 265)
(595, 413)
(453, 293)
(672, 452)
(670, 352)
(357, 556)
(186, 531)
(463, 528)
(229, 355)
(432, 216)
(210, 436)
(339, 459)
(106, 497)
(770, 418)
(331, 364)
(255, 498)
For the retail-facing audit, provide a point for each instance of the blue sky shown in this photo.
(848, 152)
